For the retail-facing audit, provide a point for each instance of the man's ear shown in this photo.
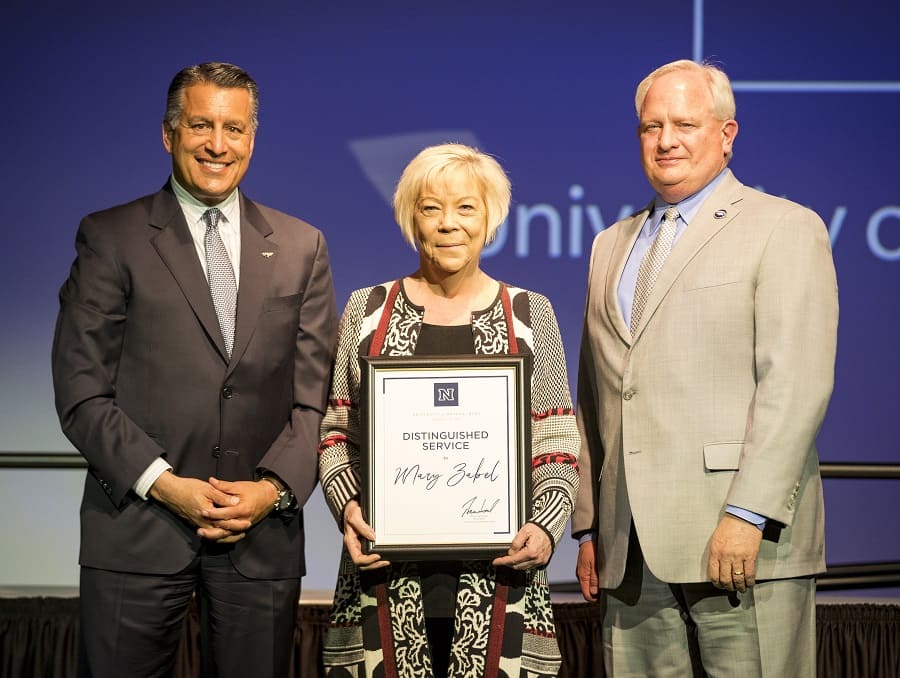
(167, 137)
(729, 132)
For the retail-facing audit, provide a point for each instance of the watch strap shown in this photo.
(285, 497)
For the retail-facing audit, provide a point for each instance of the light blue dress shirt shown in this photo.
(687, 210)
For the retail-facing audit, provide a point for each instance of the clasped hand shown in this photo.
(221, 510)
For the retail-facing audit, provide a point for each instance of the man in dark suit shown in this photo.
(190, 364)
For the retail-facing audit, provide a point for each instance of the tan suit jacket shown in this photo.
(718, 397)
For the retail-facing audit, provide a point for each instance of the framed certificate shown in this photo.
(446, 454)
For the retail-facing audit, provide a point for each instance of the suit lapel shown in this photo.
(259, 256)
(717, 211)
(176, 248)
(621, 249)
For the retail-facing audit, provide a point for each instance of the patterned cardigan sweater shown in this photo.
(504, 623)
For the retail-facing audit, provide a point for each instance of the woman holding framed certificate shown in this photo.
(434, 443)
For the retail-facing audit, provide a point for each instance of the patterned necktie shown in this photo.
(222, 286)
(652, 263)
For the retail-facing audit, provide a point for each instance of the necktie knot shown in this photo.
(671, 213)
(211, 217)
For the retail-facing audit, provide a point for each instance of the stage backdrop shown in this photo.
(351, 90)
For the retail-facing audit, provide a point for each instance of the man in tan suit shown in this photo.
(706, 366)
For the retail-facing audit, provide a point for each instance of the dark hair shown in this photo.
(215, 73)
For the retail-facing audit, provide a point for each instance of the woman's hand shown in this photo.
(355, 530)
(531, 547)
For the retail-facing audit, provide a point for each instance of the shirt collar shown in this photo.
(193, 209)
(687, 208)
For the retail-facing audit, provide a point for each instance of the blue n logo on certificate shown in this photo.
(446, 395)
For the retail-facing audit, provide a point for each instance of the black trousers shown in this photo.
(440, 637)
(131, 623)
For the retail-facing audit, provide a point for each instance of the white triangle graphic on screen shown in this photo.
(383, 158)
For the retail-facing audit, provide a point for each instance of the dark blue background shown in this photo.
(546, 87)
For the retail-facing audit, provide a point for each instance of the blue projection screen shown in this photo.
(351, 90)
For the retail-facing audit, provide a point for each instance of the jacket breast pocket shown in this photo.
(275, 304)
(702, 280)
(724, 456)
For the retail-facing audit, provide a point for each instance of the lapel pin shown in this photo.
(267, 254)
(719, 214)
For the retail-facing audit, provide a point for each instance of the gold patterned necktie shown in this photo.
(652, 263)
(219, 272)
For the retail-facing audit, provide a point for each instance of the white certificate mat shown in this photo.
(446, 454)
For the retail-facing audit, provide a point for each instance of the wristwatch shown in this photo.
(285, 498)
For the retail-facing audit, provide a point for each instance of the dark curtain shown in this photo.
(858, 641)
(580, 640)
(39, 639)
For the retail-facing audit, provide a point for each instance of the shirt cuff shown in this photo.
(143, 484)
(586, 537)
(749, 516)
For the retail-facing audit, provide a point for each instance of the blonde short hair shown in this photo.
(719, 86)
(434, 161)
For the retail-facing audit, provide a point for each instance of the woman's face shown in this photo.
(451, 223)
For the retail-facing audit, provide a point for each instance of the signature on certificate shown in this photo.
(476, 506)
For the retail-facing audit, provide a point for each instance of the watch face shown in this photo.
(285, 499)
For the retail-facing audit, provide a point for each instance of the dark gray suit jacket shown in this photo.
(140, 371)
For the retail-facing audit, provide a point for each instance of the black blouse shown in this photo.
(440, 578)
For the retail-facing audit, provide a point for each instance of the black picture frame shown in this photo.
(445, 454)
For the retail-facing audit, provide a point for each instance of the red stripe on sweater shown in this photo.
(385, 631)
(495, 634)
(553, 458)
(554, 412)
(507, 311)
(381, 332)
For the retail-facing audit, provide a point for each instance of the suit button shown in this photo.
(216, 451)
(629, 394)
(227, 392)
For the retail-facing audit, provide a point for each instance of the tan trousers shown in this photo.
(654, 629)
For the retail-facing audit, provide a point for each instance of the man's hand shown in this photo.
(586, 570)
(248, 502)
(531, 547)
(189, 498)
(355, 530)
(733, 549)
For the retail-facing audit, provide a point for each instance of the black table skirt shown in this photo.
(39, 639)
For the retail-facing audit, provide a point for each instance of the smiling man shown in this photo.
(190, 364)
(706, 366)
